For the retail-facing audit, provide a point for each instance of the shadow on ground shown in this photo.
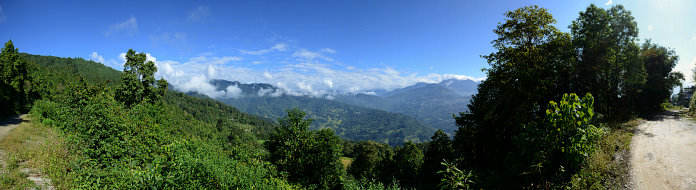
(13, 120)
(664, 115)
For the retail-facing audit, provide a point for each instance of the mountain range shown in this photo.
(412, 113)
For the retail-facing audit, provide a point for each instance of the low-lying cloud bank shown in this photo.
(304, 78)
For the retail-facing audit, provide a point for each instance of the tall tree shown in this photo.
(659, 62)
(138, 81)
(439, 149)
(533, 64)
(609, 65)
(14, 80)
(408, 161)
(373, 161)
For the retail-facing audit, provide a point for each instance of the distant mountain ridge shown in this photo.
(348, 121)
(432, 104)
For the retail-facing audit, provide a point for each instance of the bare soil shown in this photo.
(663, 153)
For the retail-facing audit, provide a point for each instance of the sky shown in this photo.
(310, 47)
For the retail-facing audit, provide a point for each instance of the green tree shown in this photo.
(533, 64)
(659, 62)
(373, 161)
(308, 157)
(138, 81)
(439, 148)
(408, 161)
(609, 65)
(14, 80)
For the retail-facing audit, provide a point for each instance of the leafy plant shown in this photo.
(454, 178)
(569, 129)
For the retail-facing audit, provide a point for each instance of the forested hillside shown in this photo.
(349, 122)
(431, 104)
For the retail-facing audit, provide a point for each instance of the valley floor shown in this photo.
(663, 153)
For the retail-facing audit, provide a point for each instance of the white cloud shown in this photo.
(281, 47)
(310, 55)
(2, 15)
(267, 75)
(129, 27)
(199, 14)
(693, 39)
(296, 78)
(608, 2)
(211, 72)
(201, 85)
(256, 62)
(122, 57)
(328, 83)
(650, 27)
(96, 57)
(233, 92)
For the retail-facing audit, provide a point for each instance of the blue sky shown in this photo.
(313, 47)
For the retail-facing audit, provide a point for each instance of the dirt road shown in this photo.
(5, 127)
(663, 153)
(10, 123)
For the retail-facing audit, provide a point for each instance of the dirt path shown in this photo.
(33, 175)
(10, 123)
(5, 127)
(663, 153)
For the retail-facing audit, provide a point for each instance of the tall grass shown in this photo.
(33, 146)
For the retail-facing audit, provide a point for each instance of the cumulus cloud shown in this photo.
(96, 57)
(608, 2)
(281, 47)
(128, 27)
(199, 14)
(306, 76)
(233, 92)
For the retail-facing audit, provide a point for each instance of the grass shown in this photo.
(33, 145)
(609, 166)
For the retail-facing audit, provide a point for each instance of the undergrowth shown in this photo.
(35, 146)
(608, 166)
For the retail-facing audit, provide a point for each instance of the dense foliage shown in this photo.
(511, 134)
(16, 86)
(308, 157)
(148, 144)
